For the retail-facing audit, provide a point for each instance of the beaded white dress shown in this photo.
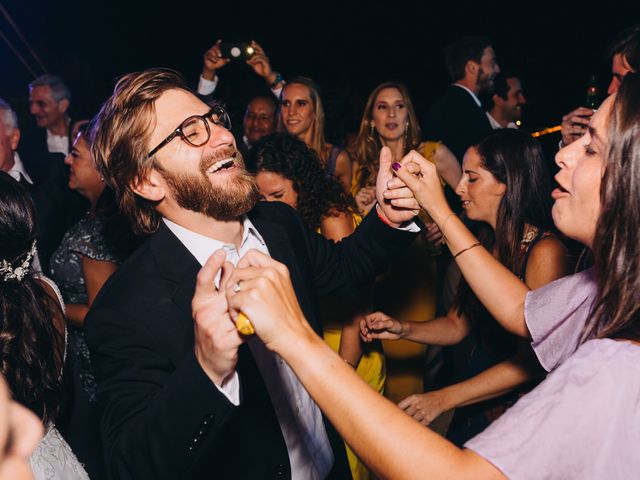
(53, 459)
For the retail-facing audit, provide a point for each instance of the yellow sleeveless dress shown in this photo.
(371, 368)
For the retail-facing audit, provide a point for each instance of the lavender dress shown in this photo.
(583, 421)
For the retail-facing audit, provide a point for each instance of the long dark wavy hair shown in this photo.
(368, 142)
(515, 159)
(31, 348)
(319, 195)
(617, 237)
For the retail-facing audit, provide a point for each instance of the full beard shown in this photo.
(225, 203)
(484, 83)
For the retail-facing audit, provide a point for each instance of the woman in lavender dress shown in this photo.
(583, 421)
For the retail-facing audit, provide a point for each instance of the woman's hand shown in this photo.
(379, 325)
(261, 288)
(365, 199)
(422, 178)
(426, 407)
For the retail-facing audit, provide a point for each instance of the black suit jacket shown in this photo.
(456, 120)
(35, 154)
(162, 416)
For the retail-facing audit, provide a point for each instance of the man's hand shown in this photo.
(405, 207)
(574, 124)
(216, 337)
(261, 288)
(213, 61)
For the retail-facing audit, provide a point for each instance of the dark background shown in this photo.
(347, 47)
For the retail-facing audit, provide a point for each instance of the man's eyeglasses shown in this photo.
(195, 130)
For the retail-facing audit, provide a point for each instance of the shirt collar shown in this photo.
(18, 169)
(475, 97)
(201, 246)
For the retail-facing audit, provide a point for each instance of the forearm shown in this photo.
(491, 383)
(386, 439)
(350, 347)
(440, 331)
(76, 313)
(499, 290)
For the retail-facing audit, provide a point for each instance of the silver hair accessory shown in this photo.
(9, 273)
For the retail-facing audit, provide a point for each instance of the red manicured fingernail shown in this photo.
(396, 166)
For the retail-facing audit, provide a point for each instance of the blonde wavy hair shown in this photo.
(119, 140)
(317, 142)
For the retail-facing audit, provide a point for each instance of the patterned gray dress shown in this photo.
(85, 238)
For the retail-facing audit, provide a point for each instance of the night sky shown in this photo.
(347, 47)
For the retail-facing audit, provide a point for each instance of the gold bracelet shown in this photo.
(477, 244)
(444, 224)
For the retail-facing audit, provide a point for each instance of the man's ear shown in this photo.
(151, 186)
(471, 68)
(14, 138)
(63, 105)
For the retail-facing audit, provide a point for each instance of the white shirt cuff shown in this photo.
(231, 388)
(278, 90)
(207, 87)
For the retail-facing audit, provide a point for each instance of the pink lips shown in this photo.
(559, 193)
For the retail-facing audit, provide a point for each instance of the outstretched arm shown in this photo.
(499, 290)
(448, 330)
(387, 440)
(493, 382)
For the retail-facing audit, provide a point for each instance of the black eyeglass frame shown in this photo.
(223, 121)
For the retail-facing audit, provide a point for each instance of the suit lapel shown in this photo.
(282, 250)
(177, 265)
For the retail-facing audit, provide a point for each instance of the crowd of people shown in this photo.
(416, 298)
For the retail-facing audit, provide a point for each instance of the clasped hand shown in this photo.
(259, 287)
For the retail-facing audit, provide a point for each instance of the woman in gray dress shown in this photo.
(80, 266)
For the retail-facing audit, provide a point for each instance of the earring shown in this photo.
(373, 129)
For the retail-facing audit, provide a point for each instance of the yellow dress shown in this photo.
(371, 368)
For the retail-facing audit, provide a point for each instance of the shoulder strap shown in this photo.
(530, 246)
(331, 161)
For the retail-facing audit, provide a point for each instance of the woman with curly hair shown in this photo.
(289, 171)
(32, 332)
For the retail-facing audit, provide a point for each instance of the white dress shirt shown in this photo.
(18, 171)
(300, 419)
(495, 125)
(57, 143)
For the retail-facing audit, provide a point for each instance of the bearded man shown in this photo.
(202, 401)
(457, 119)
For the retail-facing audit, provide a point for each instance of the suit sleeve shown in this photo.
(157, 417)
(344, 267)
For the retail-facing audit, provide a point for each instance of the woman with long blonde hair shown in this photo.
(302, 115)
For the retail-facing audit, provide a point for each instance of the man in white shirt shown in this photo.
(185, 402)
(504, 107)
